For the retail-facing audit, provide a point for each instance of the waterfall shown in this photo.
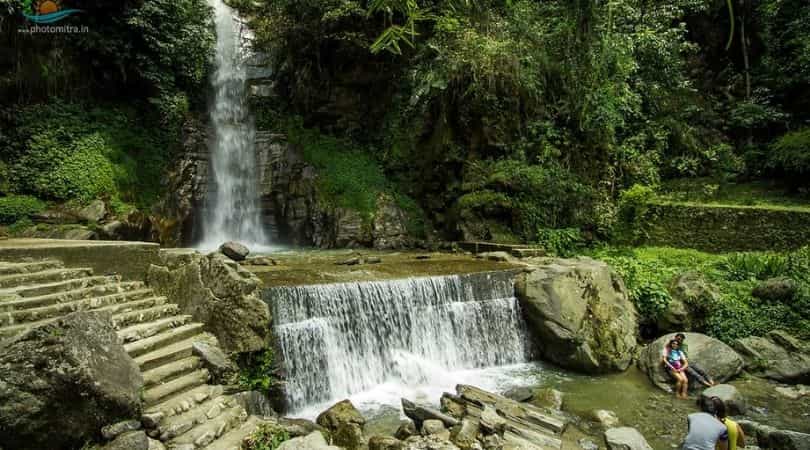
(338, 340)
(233, 210)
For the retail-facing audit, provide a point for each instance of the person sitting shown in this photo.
(736, 436)
(706, 430)
(694, 371)
(676, 363)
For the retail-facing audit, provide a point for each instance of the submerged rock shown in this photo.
(60, 383)
(625, 438)
(719, 360)
(606, 419)
(234, 250)
(579, 311)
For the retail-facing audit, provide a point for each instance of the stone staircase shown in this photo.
(181, 408)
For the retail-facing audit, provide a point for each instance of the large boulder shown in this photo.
(312, 441)
(579, 311)
(719, 360)
(234, 250)
(779, 357)
(735, 402)
(625, 438)
(789, 440)
(345, 424)
(691, 297)
(217, 292)
(779, 289)
(60, 383)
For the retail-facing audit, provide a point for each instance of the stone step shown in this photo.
(140, 316)
(145, 329)
(69, 295)
(44, 276)
(63, 285)
(233, 439)
(132, 306)
(60, 309)
(203, 412)
(170, 371)
(165, 355)
(177, 386)
(7, 268)
(163, 339)
(185, 401)
(202, 435)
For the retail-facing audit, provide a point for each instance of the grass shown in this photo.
(712, 192)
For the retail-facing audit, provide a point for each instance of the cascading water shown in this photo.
(377, 341)
(233, 209)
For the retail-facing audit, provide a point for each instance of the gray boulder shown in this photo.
(60, 383)
(428, 443)
(779, 357)
(779, 289)
(579, 311)
(735, 402)
(221, 368)
(435, 427)
(93, 212)
(691, 297)
(131, 440)
(234, 250)
(345, 424)
(719, 360)
(519, 394)
(420, 414)
(789, 440)
(217, 292)
(465, 434)
(625, 438)
(405, 430)
(384, 443)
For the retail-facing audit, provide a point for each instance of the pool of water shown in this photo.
(659, 416)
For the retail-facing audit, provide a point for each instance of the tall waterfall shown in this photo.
(233, 210)
(338, 340)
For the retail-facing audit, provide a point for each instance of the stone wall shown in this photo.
(726, 228)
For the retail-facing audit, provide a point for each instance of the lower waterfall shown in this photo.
(344, 339)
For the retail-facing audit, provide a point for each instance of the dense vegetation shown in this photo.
(505, 118)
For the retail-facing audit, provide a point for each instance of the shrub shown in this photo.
(560, 242)
(18, 207)
(268, 436)
(754, 266)
(257, 371)
(791, 155)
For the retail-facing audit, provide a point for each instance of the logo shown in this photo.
(46, 11)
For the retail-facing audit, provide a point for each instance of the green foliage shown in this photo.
(268, 436)
(754, 266)
(634, 206)
(18, 207)
(20, 225)
(563, 242)
(791, 155)
(257, 371)
(85, 153)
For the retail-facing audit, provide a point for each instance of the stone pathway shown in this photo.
(181, 408)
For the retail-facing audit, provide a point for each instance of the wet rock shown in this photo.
(519, 394)
(549, 398)
(299, 427)
(789, 440)
(428, 443)
(735, 403)
(259, 261)
(606, 419)
(384, 443)
(345, 424)
(465, 434)
(496, 256)
(255, 403)
(779, 289)
(625, 438)
(218, 293)
(719, 360)
(221, 368)
(312, 441)
(794, 392)
(580, 314)
(492, 442)
(132, 440)
(779, 357)
(234, 250)
(373, 260)
(435, 427)
(63, 381)
(350, 262)
(491, 422)
(587, 444)
(405, 430)
(420, 414)
(389, 228)
(453, 405)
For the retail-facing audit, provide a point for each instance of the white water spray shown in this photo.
(233, 207)
(376, 341)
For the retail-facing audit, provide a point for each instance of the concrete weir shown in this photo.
(128, 259)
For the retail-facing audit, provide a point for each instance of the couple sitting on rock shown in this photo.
(674, 360)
